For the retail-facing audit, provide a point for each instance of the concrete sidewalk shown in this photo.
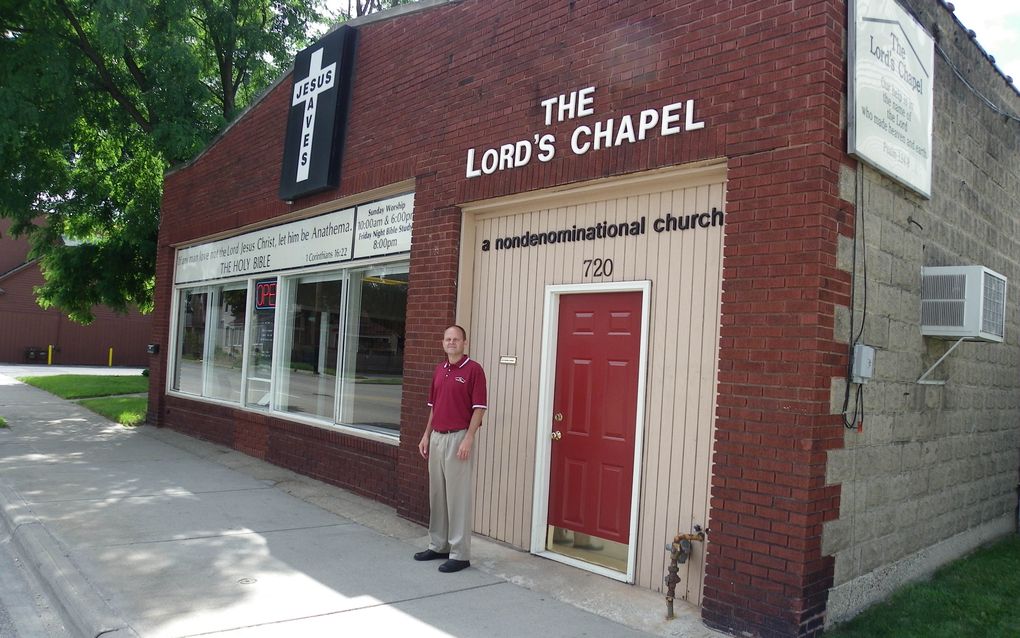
(146, 532)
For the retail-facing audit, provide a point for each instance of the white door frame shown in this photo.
(543, 443)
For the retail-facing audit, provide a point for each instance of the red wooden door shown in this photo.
(592, 468)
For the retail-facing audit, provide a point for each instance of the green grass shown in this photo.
(123, 410)
(3, 422)
(80, 386)
(974, 597)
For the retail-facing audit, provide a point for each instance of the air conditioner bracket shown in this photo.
(926, 381)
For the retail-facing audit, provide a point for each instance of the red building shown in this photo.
(27, 331)
(647, 217)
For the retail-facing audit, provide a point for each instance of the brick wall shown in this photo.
(767, 78)
(23, 324)
(933, 472)
(13, 251)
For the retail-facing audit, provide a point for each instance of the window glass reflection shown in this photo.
(228, 325)
(339, 345)
(373, 372)
(260, 352)
(188, 375)
(307, 377)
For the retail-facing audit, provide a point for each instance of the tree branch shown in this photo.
(223, 51)
(136, 73)
(212, 91)
(106, 80)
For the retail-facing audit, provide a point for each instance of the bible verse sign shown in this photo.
(892, 65)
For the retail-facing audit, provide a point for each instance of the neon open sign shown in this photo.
(265, 294)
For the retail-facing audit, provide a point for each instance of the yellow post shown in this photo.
(49, 355)
(110, 362)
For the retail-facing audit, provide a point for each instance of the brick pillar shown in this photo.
(431, 307)
(155, 412)
(765, 573)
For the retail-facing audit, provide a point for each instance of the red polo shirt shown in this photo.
(457, 390)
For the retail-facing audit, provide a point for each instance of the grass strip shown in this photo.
(124, 410)
(975, 596)
(80, 386)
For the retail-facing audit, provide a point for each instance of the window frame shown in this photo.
(349, 352)
(284, 280)
(284, 285)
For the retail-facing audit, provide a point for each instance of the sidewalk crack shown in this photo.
(347, 611)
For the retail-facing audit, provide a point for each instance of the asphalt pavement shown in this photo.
(147, 532)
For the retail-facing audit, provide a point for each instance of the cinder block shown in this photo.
(874, 554)
(879, 428)
(836, 537)
(846, 566)
(844, 253)
(839, 466)
(847, 184)
(879, 493)
(876, 332)
(911, 455)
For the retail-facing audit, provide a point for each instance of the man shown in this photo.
(457, 401)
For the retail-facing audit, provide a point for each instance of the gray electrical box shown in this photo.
(864, 363)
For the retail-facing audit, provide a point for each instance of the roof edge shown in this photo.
(13, 271)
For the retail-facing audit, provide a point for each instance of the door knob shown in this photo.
(556, 435)
(558, 416)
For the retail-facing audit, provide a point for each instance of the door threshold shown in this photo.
(586, 566)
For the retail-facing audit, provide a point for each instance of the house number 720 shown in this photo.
(598, 267)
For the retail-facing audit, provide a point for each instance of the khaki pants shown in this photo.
(451, 495)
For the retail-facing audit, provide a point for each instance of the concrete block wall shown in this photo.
(933, 471)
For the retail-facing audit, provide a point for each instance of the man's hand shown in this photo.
(423, 446)
(464, 451)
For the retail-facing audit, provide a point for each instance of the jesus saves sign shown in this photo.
(317, 123)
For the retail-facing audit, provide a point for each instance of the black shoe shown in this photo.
(428, 554)
(454, 565)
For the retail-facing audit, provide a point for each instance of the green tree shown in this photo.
(97, 99)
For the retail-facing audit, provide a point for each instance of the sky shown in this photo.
(997, 25)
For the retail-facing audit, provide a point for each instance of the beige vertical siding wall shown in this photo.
(501, 300)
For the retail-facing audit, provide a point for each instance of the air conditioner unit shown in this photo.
(963, 302)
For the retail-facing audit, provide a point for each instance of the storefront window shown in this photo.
(373, 372)
(307, 376)
(260, 350)
(188, 373)
(338, 345)
(228, 322)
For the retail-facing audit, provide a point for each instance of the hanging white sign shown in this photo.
(891, 78)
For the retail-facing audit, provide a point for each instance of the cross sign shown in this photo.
(319, 80)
